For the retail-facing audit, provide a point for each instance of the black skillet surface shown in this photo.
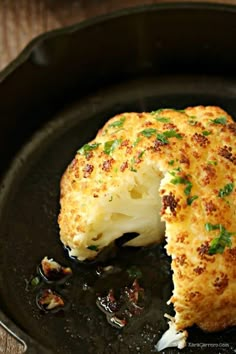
(53, 99)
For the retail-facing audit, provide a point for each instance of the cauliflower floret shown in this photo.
(172, 337)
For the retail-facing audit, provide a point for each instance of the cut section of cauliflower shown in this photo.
(165, 170)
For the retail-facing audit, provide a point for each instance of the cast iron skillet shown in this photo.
(53, 99)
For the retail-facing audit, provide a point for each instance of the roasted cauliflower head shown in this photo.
(165, 174)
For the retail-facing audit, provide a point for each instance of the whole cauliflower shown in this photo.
(168, 174)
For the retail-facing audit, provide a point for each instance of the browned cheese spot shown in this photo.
(221, 283)
(203, 249)
(157, 145)
(200, 140)
(88, 169)
(199, 270)
(89, 155)
(210, 174)
(169, 201)
(226, 152)
(124, 166)
(181, 260)
(210, 207)
(170, 126)
(232, 128)
(148, 124)
(181, 237)
(230, 255)
(107, 165)
(184, 158)
(125, 143)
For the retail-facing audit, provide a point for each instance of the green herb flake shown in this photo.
(212, 162)
(162, 138)
(133, 161)
(192, 122)
(223, 240)
(135, 143)
(35, 281)
(164, 109)
(220, 120)
(181, 180)
(210, 227)
(141, 154)
(171, 162)
(157, 111)
(133, 169)
(224, 192)
(162, 119)
(134, 272)
(87, 148)
(179, 110)
(148, 132)
(117, 123)
(188, 189)
(110, 146)
(93, 248)
(191, 199)
(206, 133)
(172, 134)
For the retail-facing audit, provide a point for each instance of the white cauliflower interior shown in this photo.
(133, 206)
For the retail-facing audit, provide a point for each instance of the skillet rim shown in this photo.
(30, 345)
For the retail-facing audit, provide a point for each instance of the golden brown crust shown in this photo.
(195, 150)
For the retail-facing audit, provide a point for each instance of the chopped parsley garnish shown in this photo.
(163, 109)
(188, 189)
(87, 148)
(192, 122)
(110, 146)
(157, 111)
(35, 281)
(179, 110)
(148, 132)
(117, 123)
(141, 154)
(137, 141)
(133, 161)
(182, 180)
(93, 248)
(223, 240)
(191, 199)
(162, 138)
(212, 162)
(173, 172)
(171, 162)
(163, 119)
(224, 192)
(172, 134)
(220, 120)
(206, 133)
(210, 227)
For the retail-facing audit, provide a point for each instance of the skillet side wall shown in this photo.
(61, 68)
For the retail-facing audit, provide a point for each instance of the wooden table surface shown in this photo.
(22, 20)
